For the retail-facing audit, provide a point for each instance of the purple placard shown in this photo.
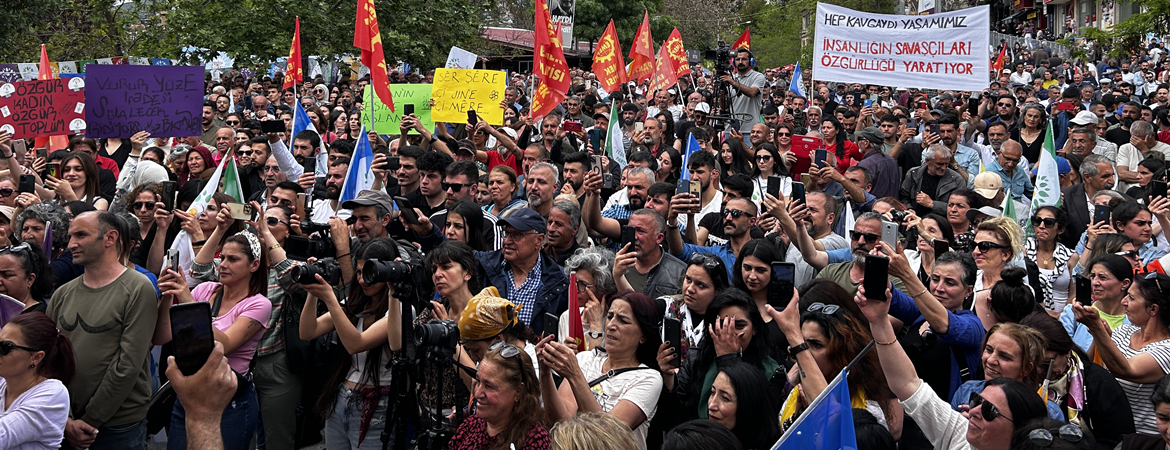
(167, 101)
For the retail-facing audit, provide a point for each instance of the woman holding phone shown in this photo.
(79, 181)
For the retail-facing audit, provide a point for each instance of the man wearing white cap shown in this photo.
(1090, 142)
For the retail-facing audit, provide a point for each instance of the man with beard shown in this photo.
(1093, 143)
(1119, 134)
(209, 126)
(664, 101)
(564, 221)
(609, 223)
(553, 136)
(326, 207)
(738, 218)
(758, 136)
(576, 164)
(652, 135)
(964, 160)
(710, 229)
(541, 186)
(642, 265)
(815, 221)
(928, 186)
(225, 141)
(748, 91)
(1099, 175)
(460, 183)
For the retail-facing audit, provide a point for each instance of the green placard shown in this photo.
(386, 122)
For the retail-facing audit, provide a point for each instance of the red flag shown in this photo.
(642, 52)
(745, 40)
(665, 75)
(677, 54)
(45, 72)
(550, 58)
(576, 330)
(608, 63)
(998, 66)
(367, 38)
(293, 72)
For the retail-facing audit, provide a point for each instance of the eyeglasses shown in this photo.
(1048, 222)
(987, 246)
(6, 347)
(708, 261)
(581, 285)
(1043, 437)
(735, 213)
(517, 235)
(1154, 276)
(1132, 254)
(989, 410)
(273, 221)
(764, 158)
(506, 350)
(456, 187)
(869, 237)
(6, 192)
(142, 205)
(823, 308)
(231, 122)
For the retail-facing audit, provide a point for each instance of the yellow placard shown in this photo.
(457, 91)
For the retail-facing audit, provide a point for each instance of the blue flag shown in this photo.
(359, 177)
(795, 86)
(301, 122)
(692, 147)
(826, 424)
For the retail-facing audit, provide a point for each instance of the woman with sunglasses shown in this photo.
(1111, 277)
(1003, 406)
(741, 401)
(669, 166)
(8, 192)
(790, 162)
(364, 327)
(233, 121)
(1085, 392)
(733, 159)
(36, 363)
(595, 285)
(78, 181)
(508, 412)
(1108, 244)
(1138, 352)
(25, 276)
(997, 241)
(734, 332)
(465, 224)
(768, 160)
(824, 339)
(623, 380)
(1055, 261)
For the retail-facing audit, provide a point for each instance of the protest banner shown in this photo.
(166, 101)
(940, 51)
(458, 90)
(459, 58)
(42, 107)
(386, 122)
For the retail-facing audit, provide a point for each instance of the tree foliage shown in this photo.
(776, 40)
(71, 29)
(593, 16)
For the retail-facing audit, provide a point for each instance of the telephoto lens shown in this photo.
(375, 271)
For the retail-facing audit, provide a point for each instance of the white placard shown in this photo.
(461, 59)
(939, 51)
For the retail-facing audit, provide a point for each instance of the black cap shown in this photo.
(526, 219)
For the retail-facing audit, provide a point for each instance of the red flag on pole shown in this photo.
(665, 74)
(998, 66)
(576, 330)
(548, 55)
(45, 69)
(745, 40)
(677, 54)
(608, 62)
(367, 38)
(293, 72)
(642, 52)
(45, 72)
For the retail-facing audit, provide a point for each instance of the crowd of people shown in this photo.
(515, 286)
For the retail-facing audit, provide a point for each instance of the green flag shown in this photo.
(231, 181)
(615, 149)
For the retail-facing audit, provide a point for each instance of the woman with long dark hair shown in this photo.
(1031, 130)
(733, 159)
(36, 362)
(753, 274)
(356, 394)
(25, 276)
(741, 401)
(465, 224)
(669, 166)
(768, 164)
(79, 181)
(834, 135)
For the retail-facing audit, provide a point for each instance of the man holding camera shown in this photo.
(748, 91)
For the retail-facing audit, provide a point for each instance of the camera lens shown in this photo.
(436, 333)
(327, 268)
(375, 271)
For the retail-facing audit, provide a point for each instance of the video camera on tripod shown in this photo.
(721, 117)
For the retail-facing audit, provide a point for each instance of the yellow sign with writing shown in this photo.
(457, 91)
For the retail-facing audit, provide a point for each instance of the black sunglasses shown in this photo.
(6, 347)
(5, 192)
(989, 410)
(869, 237)
(141, 205)
(231, 122)
(1048, 222)
(987, 246)
(735, 213)
(273, 221)
(1043, 437)
(456, 187)
(244, 152)
(706, 260)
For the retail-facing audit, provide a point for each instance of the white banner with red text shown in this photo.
(939, 51)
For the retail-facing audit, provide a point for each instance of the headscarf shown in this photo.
(487, 315)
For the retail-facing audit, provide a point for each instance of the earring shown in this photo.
(32, 366)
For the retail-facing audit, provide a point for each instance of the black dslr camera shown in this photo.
(442, 334)
(326, 267)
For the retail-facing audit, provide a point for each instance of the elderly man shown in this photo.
(1098, 175)
(642, 265)
(883, 168)
(540, 187)
(1006, 165)
(928, 186)
(564, 221)
(526, 277)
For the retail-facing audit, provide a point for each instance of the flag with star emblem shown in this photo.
(549, 58)
(744, 41)
(293, 72)
(665, 74)
(642, 52)
(608, 63)
(367, 38)
(678, 54)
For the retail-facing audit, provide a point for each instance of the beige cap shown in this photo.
(988, 184)
(8, 212)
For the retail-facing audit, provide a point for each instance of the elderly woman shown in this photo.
(1004, 405)
(998, 240)
(1138, 353)
(623, 380)
(502, 185)
(595, 285)
(36, 222)
(508, 413)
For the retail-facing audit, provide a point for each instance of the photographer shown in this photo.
(747, 97)
(357, 408)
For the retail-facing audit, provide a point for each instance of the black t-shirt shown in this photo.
(417, 200)
(909, 157)
(930, 184)
(1117, 136)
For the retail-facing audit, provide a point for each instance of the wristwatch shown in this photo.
(593, 334)
(795, 350)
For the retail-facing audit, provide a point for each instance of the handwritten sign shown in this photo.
(458, 90)
(166, 101)
(42, 108)
(386, 122)
(459, 58)
(943, 51)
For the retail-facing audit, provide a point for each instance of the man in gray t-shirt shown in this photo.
(747, 91)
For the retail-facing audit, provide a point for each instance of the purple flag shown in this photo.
(167, 101)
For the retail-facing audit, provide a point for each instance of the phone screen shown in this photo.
(191, 335)
(940, 247)
(471, 117)
(783, 284)
(876, 277)
(1158, 190)
(672, 334)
